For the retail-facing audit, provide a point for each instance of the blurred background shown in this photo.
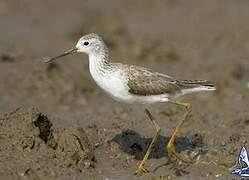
(186, 39)
(194, 39)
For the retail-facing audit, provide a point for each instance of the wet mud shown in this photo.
(55, 122)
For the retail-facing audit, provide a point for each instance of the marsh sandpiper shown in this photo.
(136, 85)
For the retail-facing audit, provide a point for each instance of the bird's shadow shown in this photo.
(134, 144)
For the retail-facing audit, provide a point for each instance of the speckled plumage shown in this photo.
(130, 83)
(134, 84)
(146, 82)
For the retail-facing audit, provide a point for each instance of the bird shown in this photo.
(133, 84)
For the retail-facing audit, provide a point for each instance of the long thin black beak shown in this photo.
(71, 51)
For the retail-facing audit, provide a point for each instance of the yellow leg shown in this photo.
(170, 145)
(141, 168)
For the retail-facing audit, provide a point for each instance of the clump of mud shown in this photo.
(31, 148)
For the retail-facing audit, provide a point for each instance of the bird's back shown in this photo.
(145, 82)
(135, 84)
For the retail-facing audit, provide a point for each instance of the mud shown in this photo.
(30, 146)
(56, 123)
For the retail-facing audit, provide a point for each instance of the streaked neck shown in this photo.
(99, 59)
(98, 64)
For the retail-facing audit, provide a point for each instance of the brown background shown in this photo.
(186, 39)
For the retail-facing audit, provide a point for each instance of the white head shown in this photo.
(89, 44)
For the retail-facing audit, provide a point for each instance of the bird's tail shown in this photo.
(189, 86)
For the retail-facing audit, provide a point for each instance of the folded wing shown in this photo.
(145, 82)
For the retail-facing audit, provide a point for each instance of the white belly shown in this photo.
(115, 83)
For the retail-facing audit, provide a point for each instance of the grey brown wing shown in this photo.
(187, 84)
(144, 82)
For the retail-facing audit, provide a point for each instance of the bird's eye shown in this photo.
(86, 43)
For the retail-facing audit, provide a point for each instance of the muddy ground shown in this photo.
(56, 123)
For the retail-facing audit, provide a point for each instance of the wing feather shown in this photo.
(145, 82)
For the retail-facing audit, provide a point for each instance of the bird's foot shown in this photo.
(175, 158)
(141, 170)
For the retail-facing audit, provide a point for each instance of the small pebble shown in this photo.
(7, 58)
(218, 175)
(223, 143)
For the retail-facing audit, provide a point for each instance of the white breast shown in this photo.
(113, 83)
